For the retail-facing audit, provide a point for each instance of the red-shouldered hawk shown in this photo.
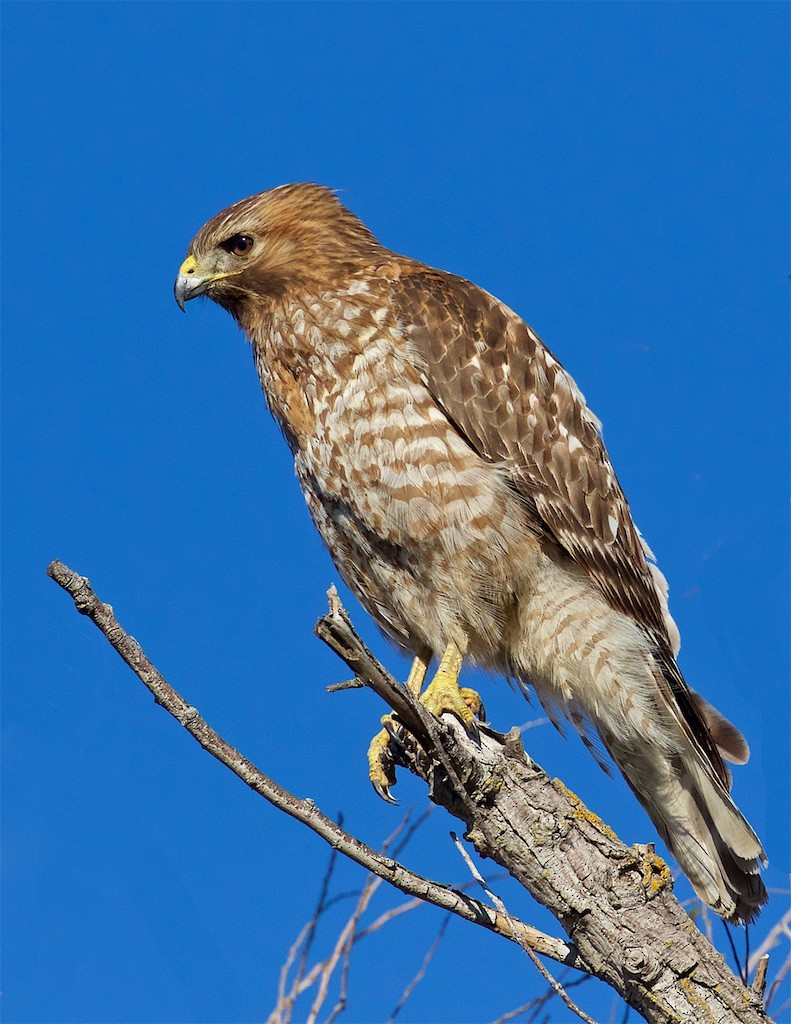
(463, 489)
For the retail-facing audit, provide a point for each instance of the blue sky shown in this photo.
(617, 173)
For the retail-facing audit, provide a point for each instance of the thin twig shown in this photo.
(284, 1005)
(320, 908)
(347, 684)
(540, 1001)
(780, 930)
(421, 972)
(742, 970)
(306, 811)
(759, 981)
(344, 943)
(539, 966)
(519, 1010)
(349, 937)
(777, 982)
(532, 723)
(404, 908)
(340, 1003)
(773, 936)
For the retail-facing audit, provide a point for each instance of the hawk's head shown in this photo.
(259, 247)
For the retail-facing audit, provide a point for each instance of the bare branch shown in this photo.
(779, 978)
(759, 981)
(321, 973)
(615, 903)
(340, 1004)
(773, 936)
(351, 934)
(540, 1001)
(342, 947)
(313, 924)
(347, 684)
(421, 971)
(404, 908)
(306, 811)
(389, 915)
(284, 1005)
(759, 962)
(550, 980)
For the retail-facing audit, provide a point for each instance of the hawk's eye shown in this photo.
(238, 245)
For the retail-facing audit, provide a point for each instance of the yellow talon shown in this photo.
(381, 767)
(443, 694)
(381, 763)
(417, 675)
(464, 703)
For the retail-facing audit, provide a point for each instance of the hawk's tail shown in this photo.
(711, 840)
(692, 809)
(600, 668)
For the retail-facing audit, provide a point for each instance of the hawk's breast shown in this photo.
(426, 532)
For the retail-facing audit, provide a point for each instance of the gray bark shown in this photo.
(615, 903)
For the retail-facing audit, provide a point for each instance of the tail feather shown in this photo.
(729, 741)
(704, 830)
(712, 839)
(597, 666)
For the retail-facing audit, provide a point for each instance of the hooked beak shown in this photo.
(188, 284)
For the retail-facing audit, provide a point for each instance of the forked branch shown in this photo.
(445, 897)
(614, 902)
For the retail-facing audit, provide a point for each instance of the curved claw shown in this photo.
(383, 790)
(381, 768)
(473, 701)
(443, 695)
(394, 730)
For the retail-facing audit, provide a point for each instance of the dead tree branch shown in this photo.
(464, 906)
(614, 902)
(554, 985)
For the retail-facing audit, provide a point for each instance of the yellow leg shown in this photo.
(417, 675)
(443, 694)
(381, 768)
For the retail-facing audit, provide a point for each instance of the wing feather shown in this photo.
(515, 405)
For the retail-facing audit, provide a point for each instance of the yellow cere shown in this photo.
(189, 266)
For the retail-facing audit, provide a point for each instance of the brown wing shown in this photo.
(515, 404)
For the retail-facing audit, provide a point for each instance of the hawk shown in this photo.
(461, 484)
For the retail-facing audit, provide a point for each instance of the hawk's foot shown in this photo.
(381, 759)
(442, 695)
(381, 764)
